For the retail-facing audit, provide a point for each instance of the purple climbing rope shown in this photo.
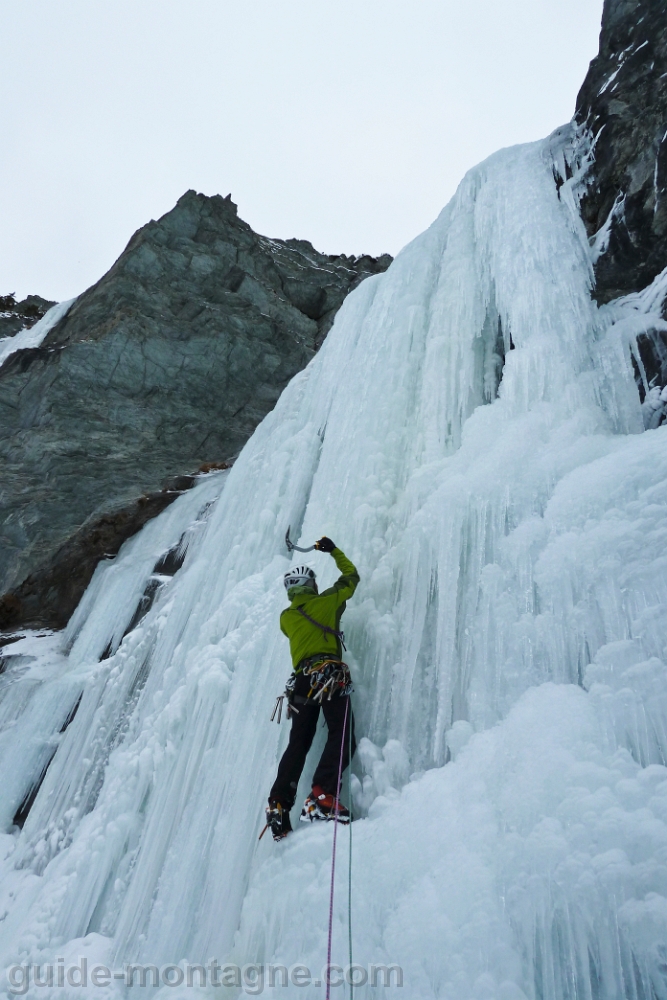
(333, 856)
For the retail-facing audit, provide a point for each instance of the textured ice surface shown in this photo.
(471, 435)
(34, 336)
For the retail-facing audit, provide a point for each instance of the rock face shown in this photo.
(169, 361)
(624, 103)
(15, 316)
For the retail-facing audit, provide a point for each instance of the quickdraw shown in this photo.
(328, 677)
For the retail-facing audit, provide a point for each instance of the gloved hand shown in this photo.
(325, 545)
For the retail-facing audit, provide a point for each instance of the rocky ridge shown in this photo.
(176, 354)
(623, 106)
(623, 102)
(15, 316)
(170, 361)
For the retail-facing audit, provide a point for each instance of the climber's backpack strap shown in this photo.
(325, 628)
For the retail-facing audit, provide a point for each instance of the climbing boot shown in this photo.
(277, 820)
(321, 806)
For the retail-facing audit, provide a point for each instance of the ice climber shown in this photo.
(320, 679)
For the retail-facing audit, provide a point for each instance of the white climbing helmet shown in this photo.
(299, 576)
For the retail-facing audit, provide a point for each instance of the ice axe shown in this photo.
(291, 547)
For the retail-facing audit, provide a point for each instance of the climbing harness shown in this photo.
(327, 678)
(291, 547)
(325, 628)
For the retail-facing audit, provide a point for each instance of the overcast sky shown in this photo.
(349, 124)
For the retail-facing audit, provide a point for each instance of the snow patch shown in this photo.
(34, 336)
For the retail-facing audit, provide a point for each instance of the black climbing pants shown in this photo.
(301, 737)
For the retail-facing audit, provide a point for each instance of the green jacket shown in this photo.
(305, 639)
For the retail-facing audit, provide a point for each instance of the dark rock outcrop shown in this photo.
(15, 316)
(624, 103)
(57, 585)
(169, 361)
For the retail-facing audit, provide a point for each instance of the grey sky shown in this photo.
(346, 123)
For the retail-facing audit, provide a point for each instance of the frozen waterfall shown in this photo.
(471, 435)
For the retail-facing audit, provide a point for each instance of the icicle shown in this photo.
(470, 435)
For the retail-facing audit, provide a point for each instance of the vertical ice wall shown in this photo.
(470, 434)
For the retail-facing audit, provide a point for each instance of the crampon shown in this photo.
(321, 806)
(277, 821)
